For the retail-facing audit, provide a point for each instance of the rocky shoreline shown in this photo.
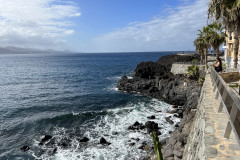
(155, 80)
(150, 79)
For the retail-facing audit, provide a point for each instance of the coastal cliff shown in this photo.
(155, 80)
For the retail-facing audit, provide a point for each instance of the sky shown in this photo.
(102, 25)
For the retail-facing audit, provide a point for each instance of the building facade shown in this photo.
(229, 51)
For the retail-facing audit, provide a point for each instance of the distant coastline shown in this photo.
(20, 50)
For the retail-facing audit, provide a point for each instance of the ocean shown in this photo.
(69, 96)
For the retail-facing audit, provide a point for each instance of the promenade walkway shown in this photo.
(206, 139)
(217, 147)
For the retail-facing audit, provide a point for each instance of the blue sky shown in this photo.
(102, 25)
(104, 16)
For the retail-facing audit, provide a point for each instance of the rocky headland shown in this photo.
(154, 79)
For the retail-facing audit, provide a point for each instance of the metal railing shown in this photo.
(231, 103)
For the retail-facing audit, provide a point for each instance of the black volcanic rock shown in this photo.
(175, 144)
(84, 139)
(54, 151)
(176, 89)
(154, 79)
(65, 142)
(45, 139)
(136, 126)
(131, 144)
(25, 148)
(149, 70)
(152, 127)
(151, 117)
(169, 120)
(136, 123)
(103, 141)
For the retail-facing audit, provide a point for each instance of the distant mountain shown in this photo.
(19, 50)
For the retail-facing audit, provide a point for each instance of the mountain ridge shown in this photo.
(21, 50)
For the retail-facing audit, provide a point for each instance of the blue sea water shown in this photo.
(70, 96)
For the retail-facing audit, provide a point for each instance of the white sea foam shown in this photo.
(114, 78)
(112, 88)
(113, 127)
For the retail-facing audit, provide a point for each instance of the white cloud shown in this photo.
(69, 32)
(36, 23)
(174, 32)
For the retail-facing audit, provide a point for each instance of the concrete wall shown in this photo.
(230, 77)
(182, 68)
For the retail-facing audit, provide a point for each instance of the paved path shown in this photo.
(217, 147)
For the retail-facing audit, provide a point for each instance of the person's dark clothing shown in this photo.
(218, 69)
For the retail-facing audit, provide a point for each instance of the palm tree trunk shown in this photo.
(202, 57)
(217, 51)
(206, 57)
(235, 49)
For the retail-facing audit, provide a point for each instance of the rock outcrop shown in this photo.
(154, 79)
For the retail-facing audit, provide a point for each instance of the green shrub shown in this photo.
(193, 72)
(201, 80)
(157, 146)
(194, 61)
(233, 85)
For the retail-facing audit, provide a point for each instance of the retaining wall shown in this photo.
(182, 68)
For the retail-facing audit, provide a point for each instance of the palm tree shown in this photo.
(217, 36)
(200, 46)
(205, 36)
(228, 12)
(212, 35)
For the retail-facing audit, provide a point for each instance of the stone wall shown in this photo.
(195, 146)
(182, 68)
